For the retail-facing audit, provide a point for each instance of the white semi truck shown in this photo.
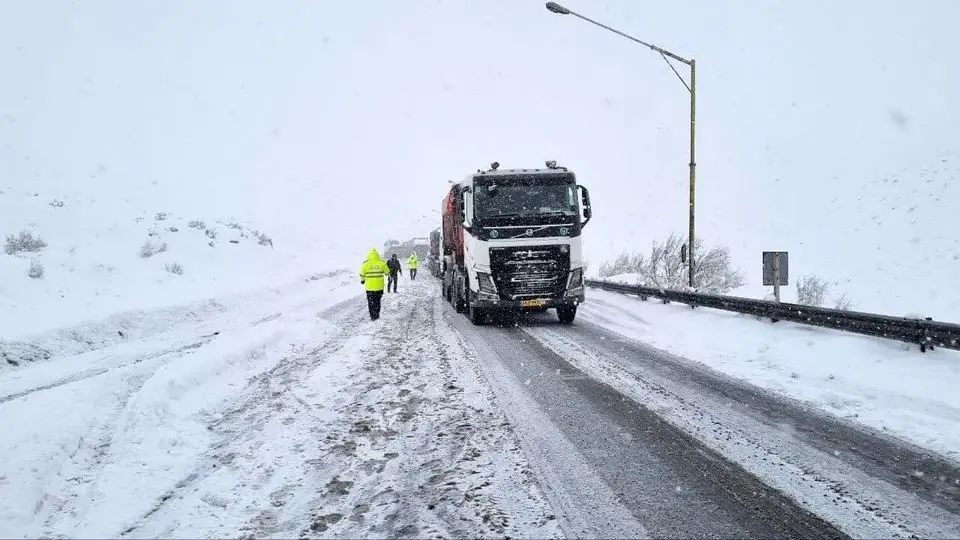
(511, 241)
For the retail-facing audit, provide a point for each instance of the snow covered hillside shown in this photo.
(94, 256)
(892, 243)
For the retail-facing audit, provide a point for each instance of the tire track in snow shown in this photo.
(94, 447)
(95, 372)
(445, 462)
(378, 431)
(241, 427)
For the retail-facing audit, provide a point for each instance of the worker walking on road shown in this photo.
(372, 272)
(412, 262)
(395, 270)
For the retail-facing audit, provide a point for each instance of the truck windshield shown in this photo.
(515, 197)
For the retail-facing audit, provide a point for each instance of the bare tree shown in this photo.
(621, 265)
(714, 271)
(811, 290)
(713, 267)
(665, 269)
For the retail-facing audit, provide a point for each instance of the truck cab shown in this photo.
(513, 241)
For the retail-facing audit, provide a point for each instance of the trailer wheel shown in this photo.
(567, 314)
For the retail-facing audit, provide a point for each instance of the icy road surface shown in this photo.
(284, 414)
(287, 413)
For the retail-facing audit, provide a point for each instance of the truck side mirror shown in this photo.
(467, 208)
(587, 210)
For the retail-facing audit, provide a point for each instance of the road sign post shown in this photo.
(776, 270)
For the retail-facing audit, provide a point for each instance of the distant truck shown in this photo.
(420, 246)
(511, 241)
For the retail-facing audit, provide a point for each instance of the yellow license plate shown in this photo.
(532, 303)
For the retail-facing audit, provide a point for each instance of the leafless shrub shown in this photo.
(663, 268)
(173, 229)
(811, 290)
(263, 239)
(148, 249)
(161, 216)
(624, 264)
(843, 302)
(211, 234)
(56, 203)
(23, 241)
(197, 224)
(36, 269)
(174, 268)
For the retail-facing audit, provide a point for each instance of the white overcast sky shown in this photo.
(346, 119)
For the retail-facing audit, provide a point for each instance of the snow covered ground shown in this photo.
(886, 385)
(282, 413)
(94, 264)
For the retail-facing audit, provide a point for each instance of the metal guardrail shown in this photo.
(924, 332)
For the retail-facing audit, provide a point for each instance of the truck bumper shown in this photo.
(527, 305)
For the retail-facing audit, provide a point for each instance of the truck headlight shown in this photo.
(485, 283)
(576, 279)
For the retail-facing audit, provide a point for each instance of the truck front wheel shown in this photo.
(567, 314)
(477, 316)
(459, 298)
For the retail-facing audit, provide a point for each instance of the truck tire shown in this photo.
(477, 316)
(459, 301)
(567, 314)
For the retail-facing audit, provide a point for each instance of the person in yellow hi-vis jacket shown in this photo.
(412, 262)
(372, 272)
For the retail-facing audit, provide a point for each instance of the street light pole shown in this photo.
(693, 164)
(691, 88)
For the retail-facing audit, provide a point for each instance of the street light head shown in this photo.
(557, 8)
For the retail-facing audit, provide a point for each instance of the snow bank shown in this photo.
(135, 424)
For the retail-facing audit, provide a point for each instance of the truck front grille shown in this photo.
(530, 271)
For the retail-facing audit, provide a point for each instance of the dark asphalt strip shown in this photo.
(672, 483)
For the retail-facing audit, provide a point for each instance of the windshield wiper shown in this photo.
(513, 215)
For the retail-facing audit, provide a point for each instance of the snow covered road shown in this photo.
(865, 482)
(619, 463)
(290, 416)
(287, 413)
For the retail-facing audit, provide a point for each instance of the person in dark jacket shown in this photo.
(395, 270)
